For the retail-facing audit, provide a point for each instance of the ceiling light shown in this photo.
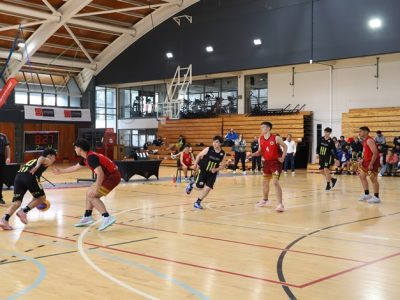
(209, 49)
(257, 42)
(375, 23)
(169, 55)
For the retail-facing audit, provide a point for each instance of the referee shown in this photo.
(4, 159)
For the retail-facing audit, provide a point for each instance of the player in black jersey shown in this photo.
(327, 155)
(208, 163)
(27, 179)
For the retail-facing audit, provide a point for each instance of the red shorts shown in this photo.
(272, 167)
(365, 164)
(109, 183)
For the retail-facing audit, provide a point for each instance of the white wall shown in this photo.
(138, 123)
(353, 87)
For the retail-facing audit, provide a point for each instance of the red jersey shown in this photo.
(367, 152)
(187, 159)
(93, 160)
(269, 148)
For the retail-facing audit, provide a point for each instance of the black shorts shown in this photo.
(27, 182)
(205, 178)
(325, 162)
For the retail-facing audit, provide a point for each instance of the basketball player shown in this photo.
(108, 177)
(270, 149)
(186, 160)
(327, 156)
(27, 179)
(208, 163)
(369, 165)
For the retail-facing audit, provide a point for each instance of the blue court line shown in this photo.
(179, 283)
(38, 280)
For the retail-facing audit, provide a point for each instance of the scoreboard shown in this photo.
(37, 141)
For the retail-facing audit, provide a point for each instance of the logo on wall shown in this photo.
(44, 112)
(72, 113)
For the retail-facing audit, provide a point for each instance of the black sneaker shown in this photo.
(328, 188)
(2, 202)
(334, 180)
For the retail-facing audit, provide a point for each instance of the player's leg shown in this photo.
(375, 186)
(87, 218)
(365, 185)
(10, 211)
(185, 171)
(206, 184)
(266, 182)
(2, 164)
(192, 180)
(278, 191)
(237, 158)
(203, 193)
(243, 161)
(22, 214)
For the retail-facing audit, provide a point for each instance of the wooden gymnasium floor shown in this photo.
(326, 246)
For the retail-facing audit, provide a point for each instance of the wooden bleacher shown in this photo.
(386, 119)
(198, 131)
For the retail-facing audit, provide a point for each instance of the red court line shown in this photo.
(168, 260)
(348, 270)
(239, 242)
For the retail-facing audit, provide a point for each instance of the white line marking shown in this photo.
(81, 250)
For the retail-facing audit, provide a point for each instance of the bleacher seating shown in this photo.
(385, 119)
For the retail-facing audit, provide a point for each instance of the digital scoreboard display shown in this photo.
(37, 141)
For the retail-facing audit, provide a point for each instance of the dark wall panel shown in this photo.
(340, 30)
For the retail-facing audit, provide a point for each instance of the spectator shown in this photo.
(380, 138)
(355, 157)
(396, 141)
(255, 160)
(240, 153)
(186, 160)
(178, 146)
(344, 159)
(158, 142)
(392, 161)
(356, 145)
(337, 143)
(230, 138)
(397, 150)
(146, 146)
(4, 159)
(342, 142)
(291, 152)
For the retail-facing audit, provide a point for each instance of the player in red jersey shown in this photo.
(108, 177)
(186, 160)
(369, 165)
(269, 148)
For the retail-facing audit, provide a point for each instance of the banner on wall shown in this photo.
(56, 114)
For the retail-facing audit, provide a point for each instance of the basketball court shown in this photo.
(147, 85)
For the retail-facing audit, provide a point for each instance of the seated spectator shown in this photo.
(186, 160)
(146, 146)
(342, 142)
(230, 138)
(397, 149)
(355, 157)
(396, 140)
(390, 167)
(380, 138)
(158, 142)
(240, 153)
(356, 145)
(344, 159)
(179, 145)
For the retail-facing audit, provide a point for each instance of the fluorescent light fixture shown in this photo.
(21, 44)
(169, 55)
(375, 23)
(257, 42)
(209, 49)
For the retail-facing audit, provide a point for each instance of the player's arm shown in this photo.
(41, 160)
(294, 147)
(221, 165)
(8, 154)
(67, 170)
(375, 153)
(280, 142)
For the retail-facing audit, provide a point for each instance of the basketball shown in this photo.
(44, 206)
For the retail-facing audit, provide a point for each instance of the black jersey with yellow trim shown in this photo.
(26, 168)
(212, 159)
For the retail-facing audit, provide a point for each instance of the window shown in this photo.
(62, 100)
(49, 99)
(75, 102)
(35, 98)
(106, 108)
(21, 98)
(256, 91)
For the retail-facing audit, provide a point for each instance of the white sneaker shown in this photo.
(293, 172)
(374, 200)
(84, 221)
(244, 173)
(285, 172)
(365, 197)
(262, 203)
(234, 172)
(107, 221)
(380, 175)
(280, 208)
